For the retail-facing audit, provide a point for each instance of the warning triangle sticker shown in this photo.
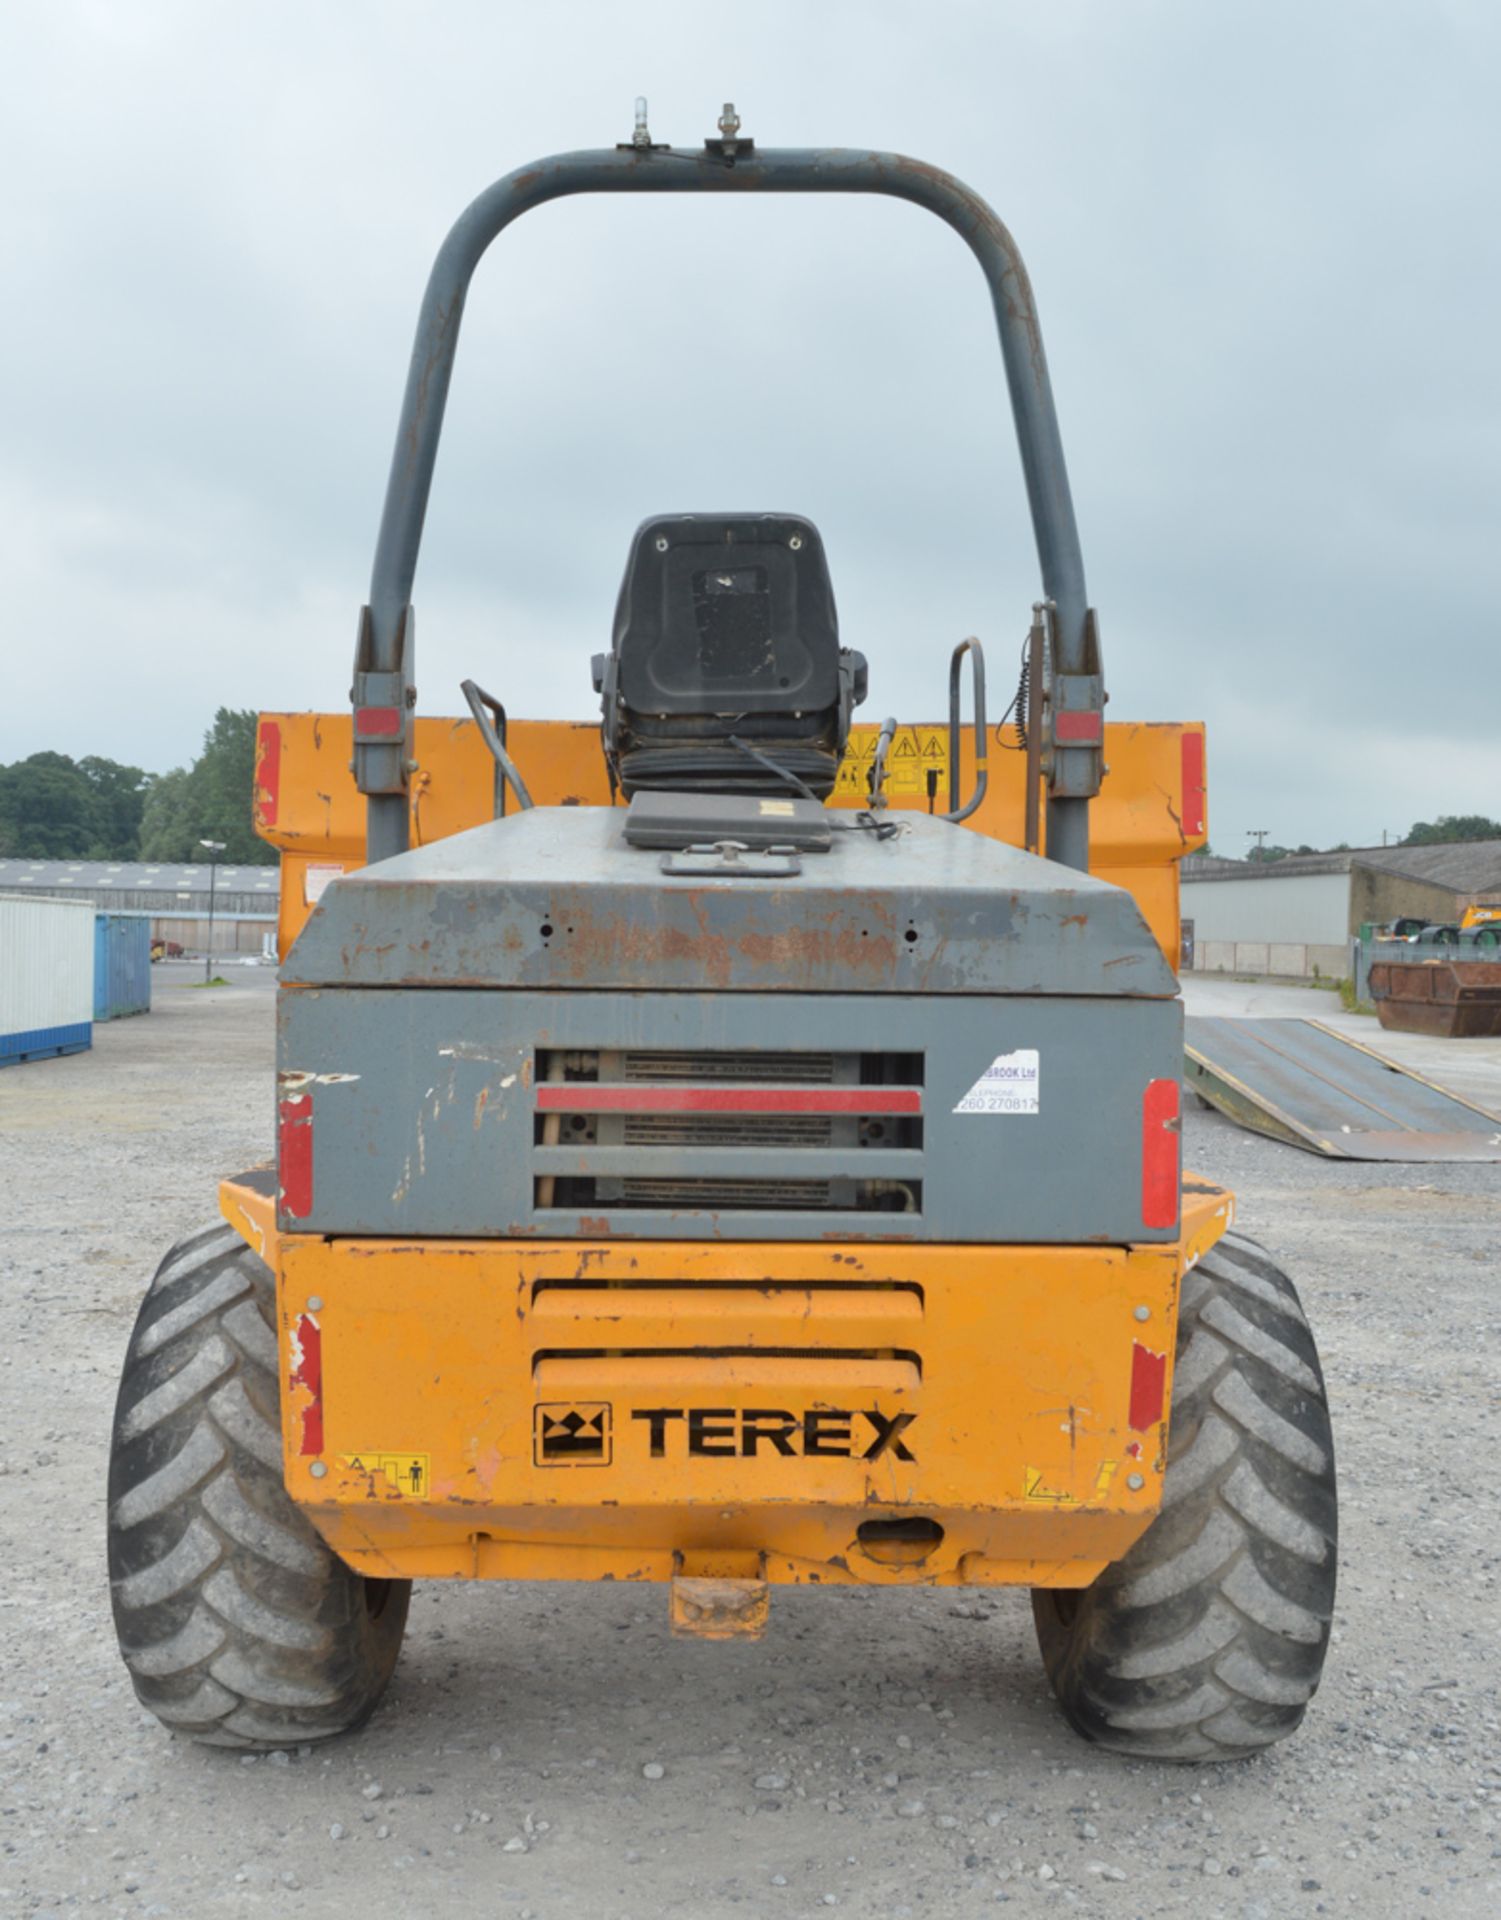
(1012, 1083)
(904, 749)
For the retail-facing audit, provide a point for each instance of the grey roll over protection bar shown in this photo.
(383, 691)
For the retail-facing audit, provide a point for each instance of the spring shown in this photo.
(1023, 696)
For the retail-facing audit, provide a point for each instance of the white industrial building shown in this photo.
(174, 895)
(1275, 917)
(1298, 916)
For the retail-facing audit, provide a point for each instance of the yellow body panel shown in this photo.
(749, 1401)
(307, 805)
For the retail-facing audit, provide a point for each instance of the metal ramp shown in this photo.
(1302, 1083)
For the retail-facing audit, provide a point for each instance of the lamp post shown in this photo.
(215, 848)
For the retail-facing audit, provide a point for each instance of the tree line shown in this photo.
(55, 808)
(1445, 831)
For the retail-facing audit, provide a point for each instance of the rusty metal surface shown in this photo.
(718, 1609)
(555, 898)
(1299, 1082)
(1452, 999)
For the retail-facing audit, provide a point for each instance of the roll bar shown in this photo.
(383, 692)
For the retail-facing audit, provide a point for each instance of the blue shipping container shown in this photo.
(122, 965)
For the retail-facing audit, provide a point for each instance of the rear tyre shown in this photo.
(238, 1624)
(1206, 1642)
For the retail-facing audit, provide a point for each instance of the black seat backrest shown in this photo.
(726, 626)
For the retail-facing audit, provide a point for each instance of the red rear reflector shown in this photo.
(1078, 729)
(382, 722)
(583, 1097)
(307, 1373)
(295, 1154)
(267, 772)
(1159, 1154)
(1192, 815)
(1148, 1382)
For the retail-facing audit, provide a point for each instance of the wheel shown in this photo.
(1206, 1642)
(238, 1624)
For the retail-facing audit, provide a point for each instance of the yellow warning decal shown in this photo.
(915, 752)
(1033, 1488)
(406, 1473)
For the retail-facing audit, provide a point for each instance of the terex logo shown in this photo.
(726, 1433)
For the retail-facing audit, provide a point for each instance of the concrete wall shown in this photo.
(1291, 959)
(1302, 909)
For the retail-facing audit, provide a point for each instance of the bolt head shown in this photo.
(661, 543)
(1143, 1313)
(795, 542)
(1133, 1480)
(315, 1303)
(318, 1469)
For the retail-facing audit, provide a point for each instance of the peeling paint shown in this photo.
(305, 1379)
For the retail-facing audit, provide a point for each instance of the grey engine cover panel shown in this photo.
(555, 899)
(419, 992)
(424, 1124)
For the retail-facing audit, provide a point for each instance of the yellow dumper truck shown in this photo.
(728, 1145)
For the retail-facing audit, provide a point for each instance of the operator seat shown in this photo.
(725, 631)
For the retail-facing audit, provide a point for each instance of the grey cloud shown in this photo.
(1263, 242)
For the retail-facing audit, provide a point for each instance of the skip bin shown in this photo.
(122, 965)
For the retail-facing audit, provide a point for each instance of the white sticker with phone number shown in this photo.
(1012, 1083)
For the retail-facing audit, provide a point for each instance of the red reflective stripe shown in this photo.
(384, 721)
(267, 772)
(1148, 1384)
(1159, 1154)
(583, 1097)
(1078, 729)
(295, 1157)
(1193, 783)
(307, 1373)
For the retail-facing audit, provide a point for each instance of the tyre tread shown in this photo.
(1208, 1640)
(238, 1624)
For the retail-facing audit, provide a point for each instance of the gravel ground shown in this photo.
(549, 1751)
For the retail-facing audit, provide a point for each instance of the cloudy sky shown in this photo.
(1266, 245)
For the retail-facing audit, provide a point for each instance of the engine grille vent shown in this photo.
(730, 1130)
(803, 1069)
(741, 1130)
(794, 1194)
